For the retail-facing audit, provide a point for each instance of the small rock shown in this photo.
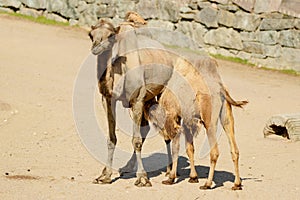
(221, 1)
(276, 24)
(72, 178)
(290, 38)
(30, 12)
(223, 37)
(10, 3)
(185, 9)
(8, 10)
(82, 6)
(188, 16)
(226, 18)
(246, 5)
(203, 4)
(208, 16)
(247, 22)
(39, 4)
(253, 47)
(229, 7)
(55, 17)
(267, 6)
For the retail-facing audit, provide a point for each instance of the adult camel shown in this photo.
(146, 67)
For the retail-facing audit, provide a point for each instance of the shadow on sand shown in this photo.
(158, 159)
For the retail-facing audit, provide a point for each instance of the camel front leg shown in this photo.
(137, 140)
(128, 168)
(105, 177)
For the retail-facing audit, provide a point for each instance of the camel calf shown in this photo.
(218, 106)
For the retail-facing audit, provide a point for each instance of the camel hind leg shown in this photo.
(190, 152)
(214, 152)
(175, 152)
(169, 166)
(228, 125)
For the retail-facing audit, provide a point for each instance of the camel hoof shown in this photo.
(205, 187)
(102, 180)
(168, 174)
(143, 182)
(193, 180)
(237, 187)
(169, 181)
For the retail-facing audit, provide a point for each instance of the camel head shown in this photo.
(102, 36)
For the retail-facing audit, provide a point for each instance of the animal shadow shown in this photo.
(156, 164)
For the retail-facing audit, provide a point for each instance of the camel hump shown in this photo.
(134, 17)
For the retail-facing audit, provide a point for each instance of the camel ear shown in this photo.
(117, 29)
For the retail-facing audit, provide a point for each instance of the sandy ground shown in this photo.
(41, 155)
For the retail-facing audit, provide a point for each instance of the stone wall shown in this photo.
(265, 32)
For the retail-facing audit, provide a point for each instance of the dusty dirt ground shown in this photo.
(41, 155)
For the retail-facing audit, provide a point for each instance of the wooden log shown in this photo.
(285, 125)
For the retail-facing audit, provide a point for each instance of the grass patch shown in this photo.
(39, 19)
(246, 62)
(290, 71)
(284, 71)
(232, 59)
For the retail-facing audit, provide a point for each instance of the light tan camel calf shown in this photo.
(217, 107)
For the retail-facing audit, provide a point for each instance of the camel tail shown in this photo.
(230, 100)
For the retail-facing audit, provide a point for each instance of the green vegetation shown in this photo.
(40, 19)
(246, 62)
(232, 59)
(290, 71)
(285, 71)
